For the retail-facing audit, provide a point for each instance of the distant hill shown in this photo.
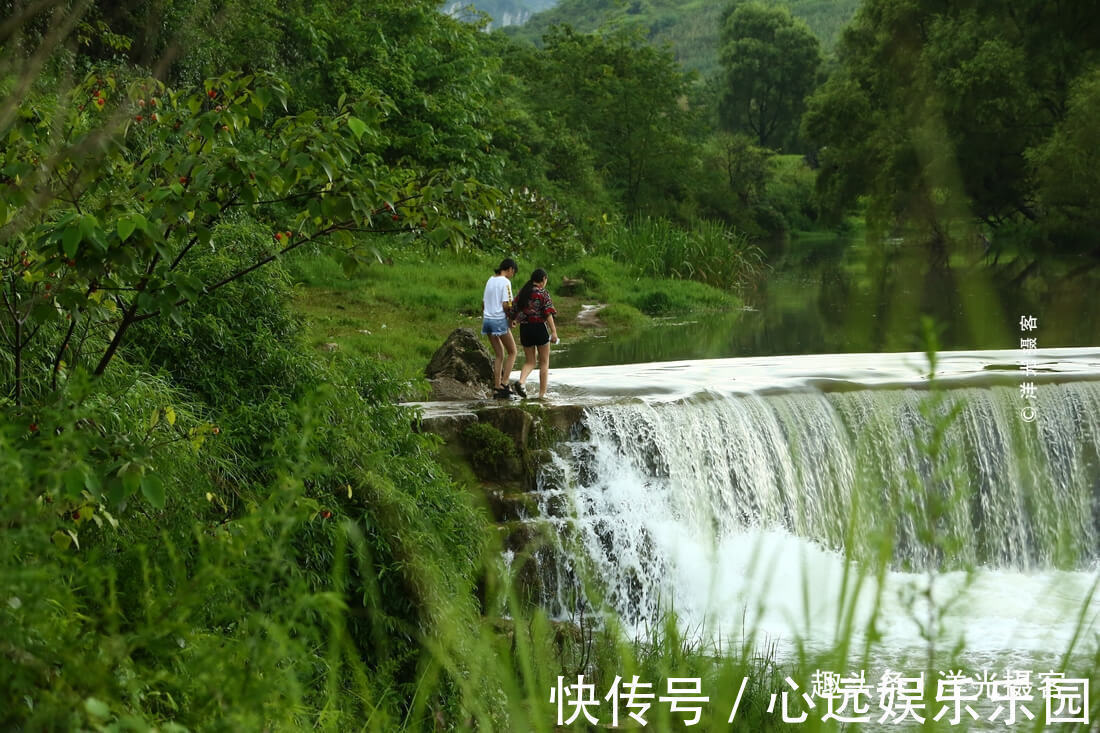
(689, 26)
(503, 12)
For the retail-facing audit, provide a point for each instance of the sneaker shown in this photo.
(519, 389)
(503, 393)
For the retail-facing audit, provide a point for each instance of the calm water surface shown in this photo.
(843, 296)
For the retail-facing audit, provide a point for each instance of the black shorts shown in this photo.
(533, 334)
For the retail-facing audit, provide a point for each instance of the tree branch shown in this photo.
(60, 353)
(65, 341)
(346, 226)
(127, 320)
(195, 239)
(279, 201)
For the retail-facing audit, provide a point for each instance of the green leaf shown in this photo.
(349, 264)
(93, 483)
(70, 240)
(130, 476)
(97, 708)
(153, 490)
(116, 491)
(43, 311)
(438, 236)
(358, 127)
(125, 227)
(74, 481)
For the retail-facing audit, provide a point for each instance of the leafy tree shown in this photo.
(744, 166)
(626, 101)
(691, 29)
(112, 187)
(1067, 168)
(541, 152)
(426, 66)
(770, 61)
(735, 171)
(936, 109)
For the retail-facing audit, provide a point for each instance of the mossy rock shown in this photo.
(493, 454)
(567, 420)
(515, 422)
(463, 357)
(536, 558)
(507, 506)
(449, 427)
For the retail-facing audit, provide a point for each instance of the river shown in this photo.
(790, 473)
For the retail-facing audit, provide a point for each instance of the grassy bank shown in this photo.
(401, 310)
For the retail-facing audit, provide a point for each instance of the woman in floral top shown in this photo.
(534, 312)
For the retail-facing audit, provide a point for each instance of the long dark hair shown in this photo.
(528, 287)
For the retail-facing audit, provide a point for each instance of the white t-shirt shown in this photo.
(497, 290)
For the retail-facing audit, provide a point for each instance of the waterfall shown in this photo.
(697, 502)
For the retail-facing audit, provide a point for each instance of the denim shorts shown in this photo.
(494, 326)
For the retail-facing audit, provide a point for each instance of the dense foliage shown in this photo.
(770, 63)
(190, 490)
(621, 98)
(949, 111)
(692, 29)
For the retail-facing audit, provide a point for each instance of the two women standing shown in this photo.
(534, 311)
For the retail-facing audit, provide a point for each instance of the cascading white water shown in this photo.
(747, 511)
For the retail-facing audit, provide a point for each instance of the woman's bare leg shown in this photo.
(528, 364)
(544, 369)
(510, 359)
(498, 361)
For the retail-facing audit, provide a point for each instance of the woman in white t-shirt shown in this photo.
(496, 324)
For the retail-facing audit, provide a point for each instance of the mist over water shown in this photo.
(756, 511)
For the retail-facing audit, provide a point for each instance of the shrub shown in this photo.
(530, 222)
(622, 316)
(790, 196)
(708, 252)
(139, 613)
(491, 448)
(654, 303)
(240, 343)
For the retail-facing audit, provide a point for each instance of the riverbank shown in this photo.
(401, 309)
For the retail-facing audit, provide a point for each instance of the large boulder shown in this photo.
(462, 368)
(445, 389)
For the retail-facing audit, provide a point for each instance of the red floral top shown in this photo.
(538, 307)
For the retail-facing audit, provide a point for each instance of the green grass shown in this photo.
(400, 311)
(708, 252)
